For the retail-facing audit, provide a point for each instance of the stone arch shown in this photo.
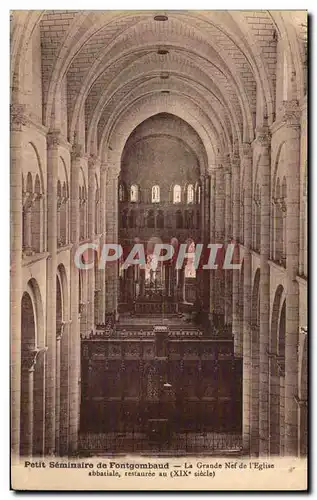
(83, 208)
(62, 361)
(231, 74)
(28, 322)
(276, 385)
(62, 203)
(23, 28)
(275, 315)
(255, 306)
(238, 340)
(303, 394)
(37, 168)
(138, 112)
(295, 57)
(279, 200)
(33, 290)
(256, 202)
(33, 201)
(28, 341)
(97, 205)
(211, 118)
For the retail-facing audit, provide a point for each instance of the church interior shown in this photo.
(151, 127)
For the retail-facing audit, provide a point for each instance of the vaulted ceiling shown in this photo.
(212, 68)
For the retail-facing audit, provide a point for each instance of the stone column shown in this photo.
(236, 326)
(58, 391)
(28, 204)
(246, 169)
(263, 141)
(102, 274)
(53, 142)
(28, 359)
(58, 221)
(64, 385)
(212, 208)
(203, 208)
(18, 121)
(27, 398)
(274, 420)
(205, 183)
(205, 276)
(228, 272)
(74, 344)
(291, 119)
(112, 237)
(91, 234)
(219, 238)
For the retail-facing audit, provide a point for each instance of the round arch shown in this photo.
(129, 120)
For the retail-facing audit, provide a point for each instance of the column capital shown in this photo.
(211, 169)
(300, 402)
(227, 171)
(280, 366)
(245, 150)
(59, 334)
(204, 176)
(220, 160)
(289, 111)
(77, 151)
(262, 136)
(235, 160)
(54, 139)
(18, 116)
(93, 161)
(29, 358)
(28, 199)
(112, 173)
(288, 114)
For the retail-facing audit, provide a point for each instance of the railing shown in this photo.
(177, 444)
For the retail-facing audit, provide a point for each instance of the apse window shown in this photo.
(190, 193)
(177, 193)
(134, 193)
(155, 194)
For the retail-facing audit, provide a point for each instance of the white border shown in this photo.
(311, 6)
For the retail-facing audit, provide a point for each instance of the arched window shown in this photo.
(190, 193)
(156, 194)
(134, 193)
(177, 193)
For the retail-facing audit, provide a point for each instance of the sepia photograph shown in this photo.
(158, 250)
